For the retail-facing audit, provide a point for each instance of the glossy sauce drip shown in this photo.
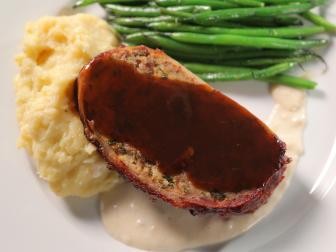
(184, 127)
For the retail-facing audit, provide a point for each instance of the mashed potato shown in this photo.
(54, 51)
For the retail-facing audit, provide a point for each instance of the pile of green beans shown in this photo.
(225, 40)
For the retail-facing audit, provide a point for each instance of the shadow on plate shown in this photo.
(317, 94)
(86, 209)
(67, 9)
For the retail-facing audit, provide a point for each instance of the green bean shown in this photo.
(152, 3)
(130, 11)
(233, 55)
(211, 68)
(290, 32)
(279, 2)
(136, 11)
(224, 75)
(198, 8)
(279, 53)
(260, 22)
(268, 61)
(216, 4)
(178, 14)
(207, 69)
(318, 20)
(203, 58)
(179, 27)
(248, 3)
(170, 44)
(213, 17)
(256, 62)
(271, 21)
(128, 44)
(292, 81)
(186, 8)
(226, 24)
(287, 80)
(145, 11)
(142, 21)
(246, 41)
(179, 47)
(126, 30)
(211, 3)
(141, 38)
(82, 3)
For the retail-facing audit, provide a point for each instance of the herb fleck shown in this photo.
(111, 142)
(163, 73)
(121, 150)
(169, 179)
(149, 161)
(217, 195)
(150, 172)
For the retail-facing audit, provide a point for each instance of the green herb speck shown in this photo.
(111, 142)
(169, 179)
(218, 195)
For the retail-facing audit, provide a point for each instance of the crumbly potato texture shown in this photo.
(54, 51)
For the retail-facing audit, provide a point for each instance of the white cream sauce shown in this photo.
(131, 217)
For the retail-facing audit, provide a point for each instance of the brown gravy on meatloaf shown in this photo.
(184, 127)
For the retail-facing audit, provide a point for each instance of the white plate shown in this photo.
(33, 219)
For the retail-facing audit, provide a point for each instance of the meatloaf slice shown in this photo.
(145, 173)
